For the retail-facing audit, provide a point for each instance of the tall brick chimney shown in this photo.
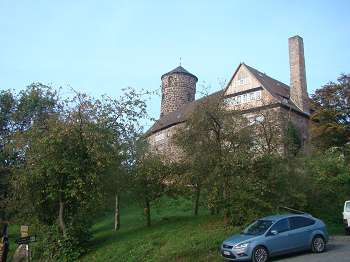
(298, 87)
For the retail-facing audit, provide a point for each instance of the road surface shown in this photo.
(338, 250)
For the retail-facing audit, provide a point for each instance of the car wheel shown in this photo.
(260, 254)
(318, 244)
(347, 231)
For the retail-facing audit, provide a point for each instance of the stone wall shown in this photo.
(162, 142)
(177, 90)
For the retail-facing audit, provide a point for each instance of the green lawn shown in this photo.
(175, 235)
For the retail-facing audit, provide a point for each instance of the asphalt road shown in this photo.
(338, 250)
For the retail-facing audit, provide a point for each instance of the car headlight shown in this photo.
(241, 247)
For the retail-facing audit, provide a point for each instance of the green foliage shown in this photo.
(332, 114)
(69, 156)
(292, 140)
(329, 185)
(149, 176)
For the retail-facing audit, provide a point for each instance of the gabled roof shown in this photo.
(275, 87)
(179, 70)
(279, 90)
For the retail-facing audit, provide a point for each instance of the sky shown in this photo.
(102, 46)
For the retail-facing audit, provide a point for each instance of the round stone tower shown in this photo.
(178, 89)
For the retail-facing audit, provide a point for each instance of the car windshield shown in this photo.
(259, 227)
(347, 207)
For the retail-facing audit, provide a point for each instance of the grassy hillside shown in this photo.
(175, 235)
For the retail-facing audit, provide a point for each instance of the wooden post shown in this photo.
(117, 213)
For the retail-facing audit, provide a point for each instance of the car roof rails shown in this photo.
(295, 211)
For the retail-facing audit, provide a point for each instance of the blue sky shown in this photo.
(99, 47)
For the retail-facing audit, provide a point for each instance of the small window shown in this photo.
(299, 222)
(244, 99)
(238, 100)
(260, 119)
(252, 96)
(258, 95)
(281, 226)
(170, 80)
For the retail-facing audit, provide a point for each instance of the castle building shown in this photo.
(249, 91)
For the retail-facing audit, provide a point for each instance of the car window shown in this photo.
(298, 222)
(347, 207)
(281, 226)
(259, 227)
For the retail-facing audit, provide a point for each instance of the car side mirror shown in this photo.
(274, 232)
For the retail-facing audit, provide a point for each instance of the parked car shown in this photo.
(276, 235)
(346, 216)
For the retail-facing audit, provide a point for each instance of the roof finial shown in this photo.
(180, 60)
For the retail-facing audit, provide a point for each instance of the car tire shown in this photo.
(260, 254)
(347, 231)
(318, 244)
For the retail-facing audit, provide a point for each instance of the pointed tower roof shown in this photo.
(179, 70)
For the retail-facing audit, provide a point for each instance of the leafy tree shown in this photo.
(217, 145)
(122, 117)
(149, 177)
(331, 114)
(7, 108)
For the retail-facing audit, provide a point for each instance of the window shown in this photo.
(298, 222)
(258, 95)
(244, 98)
(259, 227)
(242, 79)
(252, 96)
(170, 80)
(347, 207)
(281, 226)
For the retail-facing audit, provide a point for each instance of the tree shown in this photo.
(149, 178)
(66, 158)
(331, 116)
(122, 116)
(7, 109)
(216, 144)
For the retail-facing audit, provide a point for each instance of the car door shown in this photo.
(300, 231)
(279, 243)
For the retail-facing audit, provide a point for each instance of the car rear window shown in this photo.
(298, 222)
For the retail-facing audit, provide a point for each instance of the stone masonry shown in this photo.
(178, 89)
(298, 87)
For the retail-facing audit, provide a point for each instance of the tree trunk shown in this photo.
(62, 225)
(225, 198)
(147, 212)
(117, 213)
(196, 202)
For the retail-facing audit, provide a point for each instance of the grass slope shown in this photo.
(175, 235)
